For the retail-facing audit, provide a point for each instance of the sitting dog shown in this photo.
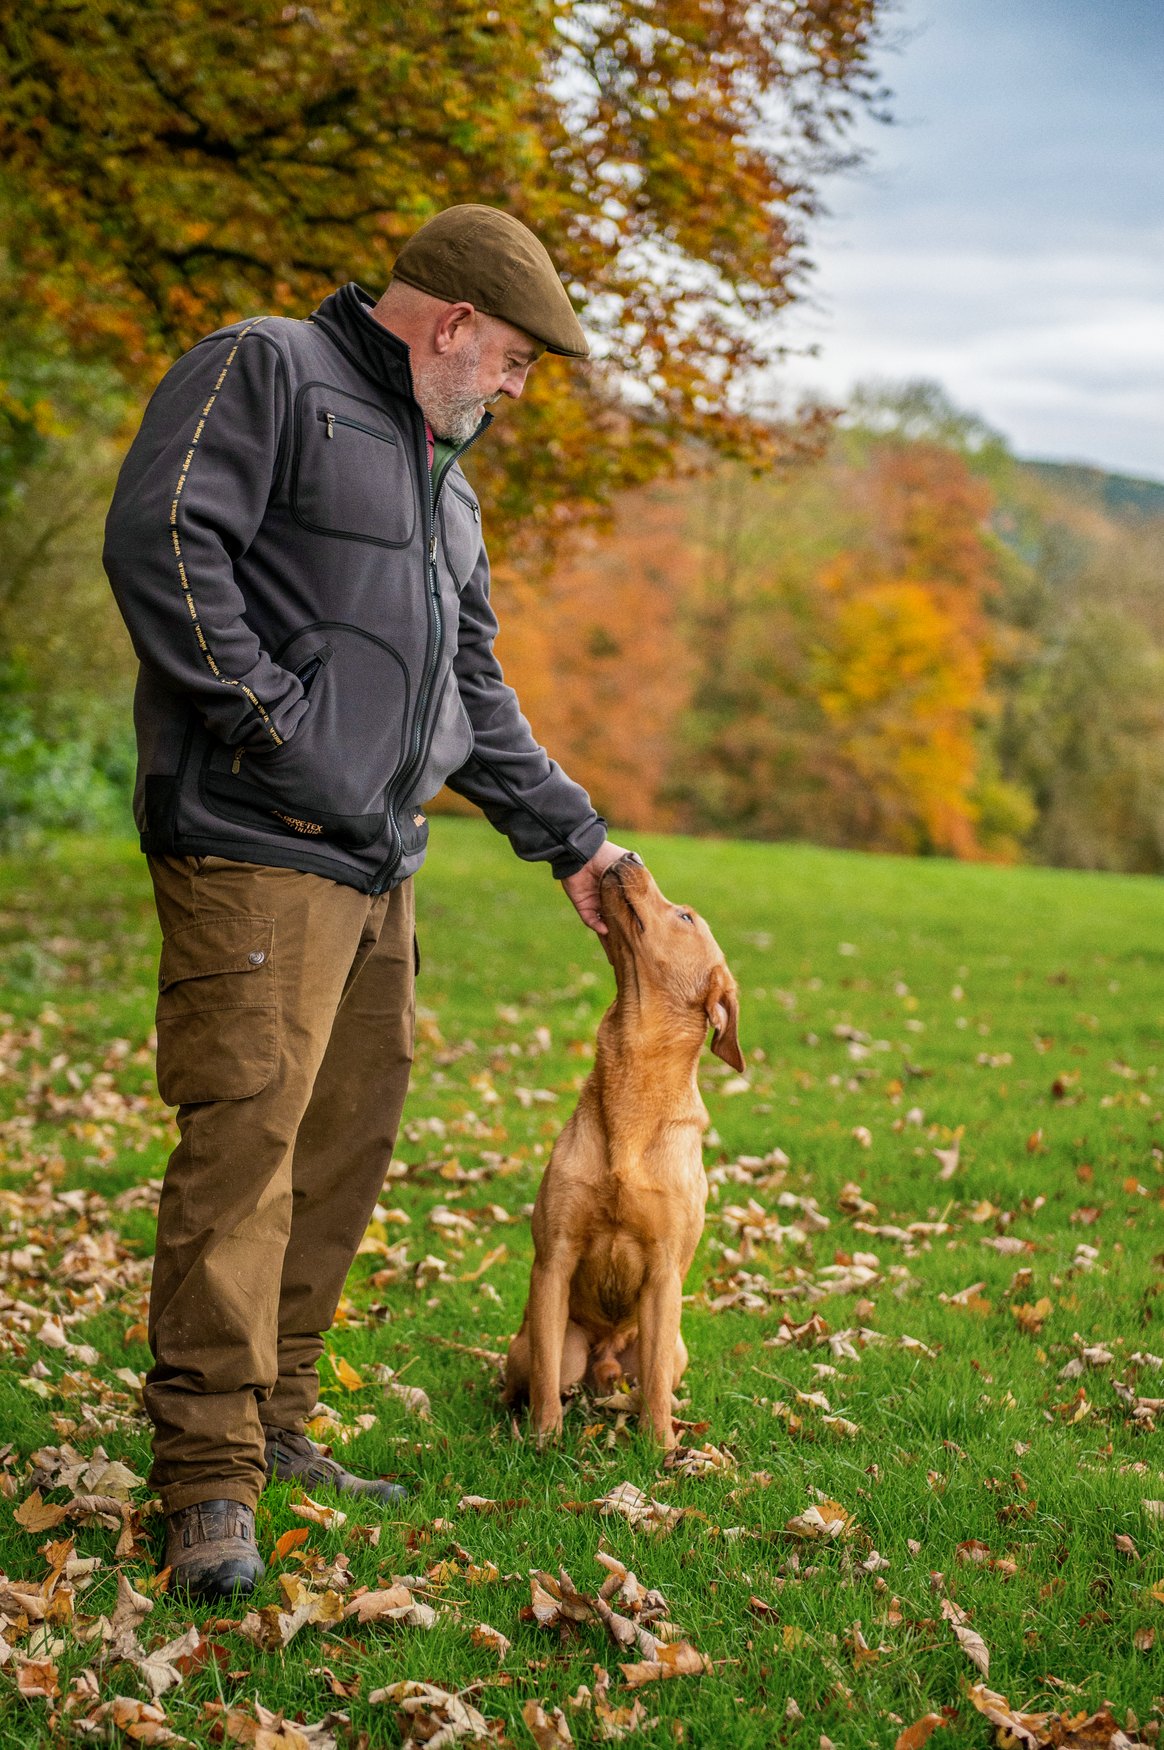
(620, 1209)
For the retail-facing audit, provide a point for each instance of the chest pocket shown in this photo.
(460, 520)
(350, 476)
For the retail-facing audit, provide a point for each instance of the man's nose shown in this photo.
(515, 383)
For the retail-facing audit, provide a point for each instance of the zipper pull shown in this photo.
(238, 754)
(432, 551)
(330, 417)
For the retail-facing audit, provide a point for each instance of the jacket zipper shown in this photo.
(331, 420)
(423, 730)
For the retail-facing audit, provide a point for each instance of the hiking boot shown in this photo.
(293, 1458)
(210, 1550)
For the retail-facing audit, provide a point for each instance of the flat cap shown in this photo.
(487, 258)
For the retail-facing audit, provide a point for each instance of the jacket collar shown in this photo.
(346, 318)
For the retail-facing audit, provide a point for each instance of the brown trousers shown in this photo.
(285, 1034)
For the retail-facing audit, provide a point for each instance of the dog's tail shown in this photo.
(604, 1373)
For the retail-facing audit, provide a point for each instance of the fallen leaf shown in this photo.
(493, 1257)
(35, 1516)
(826, 1519)
(492, 1639)
(329, 1517)
(1144, 1640)
(919, 1733)
(290, 1540)
(345, 1373)
(547, 1733)
(678, 1659)
(615, 1723)
(970, 1640)
(129, 1613)
(391, 1604)
(162, 1669)
(426, 1711)
(36, 1679)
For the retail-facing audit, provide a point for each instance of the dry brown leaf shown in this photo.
(492, 1257)
(546, 1604)
(413, 1398)
(162, 1669)
(548, 1733)
(141, 1721)
(970, 1640)
(391, 1604)
(638, 1509)
(329, 1517)
(492, 1639)
(130, 1612)
(1144, 1640)
(615, 1723)
(678, 1659)
(620, 1630)
(36, 1680)
(825, 1519)
(919, 1733)
(426, 1711)
(34, 1515)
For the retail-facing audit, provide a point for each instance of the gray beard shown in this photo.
(445, 390)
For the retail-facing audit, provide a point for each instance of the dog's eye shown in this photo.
(686, 917)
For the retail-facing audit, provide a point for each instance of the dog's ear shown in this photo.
(723, 1013)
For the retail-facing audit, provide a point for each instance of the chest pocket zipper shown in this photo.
(331, 420)
(469, 503)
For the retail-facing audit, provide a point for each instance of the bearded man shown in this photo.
(298, 558)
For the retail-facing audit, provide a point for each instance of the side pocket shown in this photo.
(216, 1011)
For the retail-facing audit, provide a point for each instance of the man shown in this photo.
(299, 560)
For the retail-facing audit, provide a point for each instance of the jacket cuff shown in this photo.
(582, 847)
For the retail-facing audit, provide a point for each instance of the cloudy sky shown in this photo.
(1008, 236)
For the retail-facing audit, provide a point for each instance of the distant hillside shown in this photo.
(1121, 495)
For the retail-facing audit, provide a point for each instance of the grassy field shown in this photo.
(987, 1462)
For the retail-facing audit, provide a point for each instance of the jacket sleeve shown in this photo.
(520, 789)
(191, 495)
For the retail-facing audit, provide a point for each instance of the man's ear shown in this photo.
(723, 1013)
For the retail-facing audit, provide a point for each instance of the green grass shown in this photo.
(1061, 977)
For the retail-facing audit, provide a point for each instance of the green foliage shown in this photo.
(79, 781)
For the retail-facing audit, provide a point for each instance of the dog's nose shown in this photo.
(632, 857)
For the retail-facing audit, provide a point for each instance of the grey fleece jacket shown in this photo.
(311, 614)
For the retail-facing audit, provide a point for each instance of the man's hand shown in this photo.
(582, 889)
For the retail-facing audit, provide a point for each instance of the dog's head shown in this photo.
(669, 949)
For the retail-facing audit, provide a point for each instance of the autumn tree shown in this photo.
(169, 168)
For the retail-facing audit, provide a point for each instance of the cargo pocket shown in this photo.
(216, 1011)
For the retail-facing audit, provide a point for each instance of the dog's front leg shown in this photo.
(549, 1311)
(660, 1306)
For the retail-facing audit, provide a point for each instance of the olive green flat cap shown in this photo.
(487, 258)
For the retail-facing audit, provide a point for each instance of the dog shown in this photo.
(620, 1208)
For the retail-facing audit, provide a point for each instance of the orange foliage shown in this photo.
(599, 661)
(799, 658)
(902, 672)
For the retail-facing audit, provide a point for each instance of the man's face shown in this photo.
(486, 358)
